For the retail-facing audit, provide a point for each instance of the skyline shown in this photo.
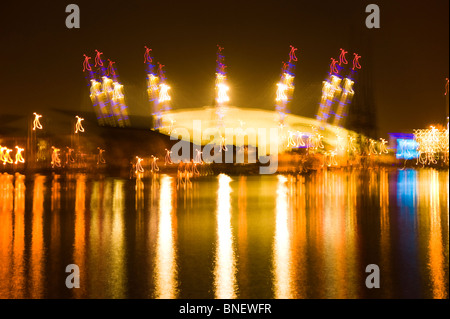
(409, 55)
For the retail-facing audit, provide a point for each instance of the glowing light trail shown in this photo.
(56, 161)
(86, 65)
(198, 157)
(4, 155)
(167, 159)
(383, 149)
(98, 58)
(285, 87)
(154, 164)
(139, 168)
(110, 70)
(78, 126)
(100, 158)
(117, 91)
(36, 122)
(333, 67)
(346, 97)
(163, 93)
(147, 57)
(356, 61)
(19, 157)
(342, 59)
(292, 56)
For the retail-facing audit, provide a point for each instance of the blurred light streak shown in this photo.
(285, 88)
(166, 265)
(225, 286)
(356, 61)
(163, 93)
(139, 168)
(78, 125)
(436, 261)
(37, 255)
(333, 67)
(56, 161)
(147, 56)
(292, 56)
(79, 245)
(18, 278)
(6, 233)
(117, 265)
(110, 71)
(19, 157)
(155, 167)
(86, 65)
(167, 159)
(342, 59)
(98, 58)
(36, 122)
(282, 262)
(344, 101)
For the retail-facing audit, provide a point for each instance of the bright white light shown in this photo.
(163, 93)
(222, 93)
(281, 92)
(225, 268)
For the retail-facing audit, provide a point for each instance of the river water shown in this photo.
(270, 236)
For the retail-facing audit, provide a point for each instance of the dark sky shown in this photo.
(41, 60)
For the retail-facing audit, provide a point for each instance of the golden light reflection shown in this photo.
(19, 157)
(54, 251)
(225, 261)
(97, 247)
(18, 275)
(282, 262)
(166, 266)
(79, 250)
(36, 122)
(37, 260)
(139, 197)
(436, 261)
(6, 232)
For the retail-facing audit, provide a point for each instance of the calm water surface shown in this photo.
(226, 237)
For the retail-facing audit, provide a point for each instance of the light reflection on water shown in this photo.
(226, 237)
(225, 264)
(166, 270)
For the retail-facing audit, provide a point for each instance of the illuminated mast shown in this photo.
(221, 84)
(152, 87)
(347, 90)
(164, 96)
(106, 92)
(285, 88)
(337, 89)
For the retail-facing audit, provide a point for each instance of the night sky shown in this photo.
(41, 60)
